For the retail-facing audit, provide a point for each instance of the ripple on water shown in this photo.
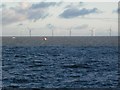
(58, 66)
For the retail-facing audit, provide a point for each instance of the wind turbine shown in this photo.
(70, 32)
(92, 32)
(19, 26)
(52, 32)
(51, 27)
(110, 31)
(29, 31)
(26, 27)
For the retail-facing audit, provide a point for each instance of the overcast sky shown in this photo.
(43, 17)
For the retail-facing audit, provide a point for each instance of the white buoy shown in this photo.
(45, 39)
(13, 37)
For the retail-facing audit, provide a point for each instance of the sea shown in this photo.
(60, 66)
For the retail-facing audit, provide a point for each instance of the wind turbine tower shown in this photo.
(110, 31)
(29, 32)
(70, 32)
(51, 27)
(92, 32)
(52, 32)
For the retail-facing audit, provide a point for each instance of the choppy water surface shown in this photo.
(59, 66)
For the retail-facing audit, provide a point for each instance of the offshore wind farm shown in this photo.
(73, 45)
(70, 39)
(60, 61)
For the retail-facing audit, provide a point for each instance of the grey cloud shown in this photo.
(20, 24)
(59, 3)
(34, 13)
(81, 3)
(71, 5)
(75, 12)
(10, 16)
(16, 14)
(39, 11)
(81, 26)
(43, 5)
(37, 14)
(116, 11)
(2, 5)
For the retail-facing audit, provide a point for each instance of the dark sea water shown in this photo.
(60, 66)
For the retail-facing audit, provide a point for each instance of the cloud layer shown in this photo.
(43, 5)
(26, 11)
(117, 11)
(75, 12)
